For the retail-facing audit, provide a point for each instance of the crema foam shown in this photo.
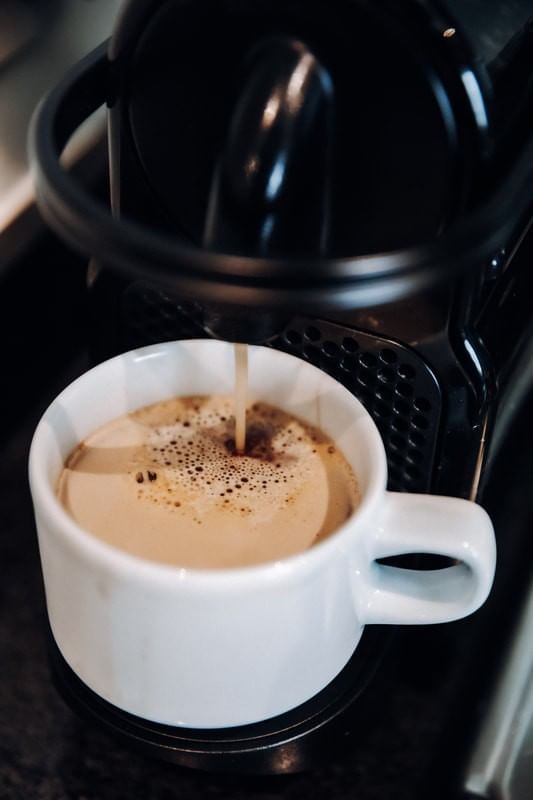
(165, 483)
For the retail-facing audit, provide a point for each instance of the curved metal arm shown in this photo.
(310, 283)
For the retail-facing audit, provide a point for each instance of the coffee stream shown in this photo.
(241, 387)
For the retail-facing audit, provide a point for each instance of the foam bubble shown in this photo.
(281, 454)
(165, 483)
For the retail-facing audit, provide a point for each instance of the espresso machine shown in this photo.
(348, 181)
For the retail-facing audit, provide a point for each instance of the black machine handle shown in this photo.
(277, 282)
(269, 195)
(270, 190)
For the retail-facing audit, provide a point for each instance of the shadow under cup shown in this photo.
(225, 647)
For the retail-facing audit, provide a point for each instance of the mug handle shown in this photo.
(420, 523)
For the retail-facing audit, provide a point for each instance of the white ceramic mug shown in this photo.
(226, 647)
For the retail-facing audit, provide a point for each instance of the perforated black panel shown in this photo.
(394, 384)
(392, 381)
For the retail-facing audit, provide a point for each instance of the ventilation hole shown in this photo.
(404, 390)
(421, 404)
(397, 442)
(395, 458)
(366, 379)
(330, 349)
(367, 360)
(312, 333)
(191, 313)
(400, 426)
(412, 473)
(336, 370)
(388, 356)
(414, 456)
(406, 371)
(364, 398)
(416, 439)
(382, 410)
(190, 309)
(293, 337)
(420, 422)
(169, 312)
(149, 300)
(349, 345)
(312, 352)
(382, 393)
(386, 375)
(401, 406)
(349, 363)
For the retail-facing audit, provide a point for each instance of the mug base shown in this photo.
(289, 743)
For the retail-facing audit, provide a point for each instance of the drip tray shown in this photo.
(288, 743)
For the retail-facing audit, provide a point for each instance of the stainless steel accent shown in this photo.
(39, 46)
(501, 765)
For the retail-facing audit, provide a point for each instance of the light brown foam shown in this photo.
(165, 484)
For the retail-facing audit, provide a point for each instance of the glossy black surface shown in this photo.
(276, 158)
(353, 281)
(400, 162)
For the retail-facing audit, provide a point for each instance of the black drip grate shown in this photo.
(392, 381)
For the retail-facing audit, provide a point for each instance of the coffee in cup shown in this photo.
(166, 483)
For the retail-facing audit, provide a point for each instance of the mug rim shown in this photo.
(117, 560)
